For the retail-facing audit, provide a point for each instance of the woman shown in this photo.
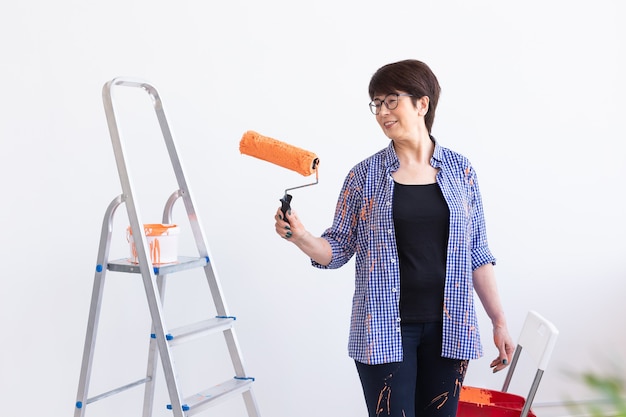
(413, 216)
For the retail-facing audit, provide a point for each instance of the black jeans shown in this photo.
(423, 384)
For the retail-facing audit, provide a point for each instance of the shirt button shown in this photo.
(394, 290)
(392, 260)
(398, 319)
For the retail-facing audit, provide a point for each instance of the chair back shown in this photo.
(538, 338)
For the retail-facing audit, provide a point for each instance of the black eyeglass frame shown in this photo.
(375, 108)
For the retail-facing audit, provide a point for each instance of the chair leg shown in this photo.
(509, 375)
(531, 393)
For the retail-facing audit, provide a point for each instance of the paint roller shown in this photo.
(282, 154)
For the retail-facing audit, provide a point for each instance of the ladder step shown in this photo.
(195, 330)
(206, 398)
(184, 263)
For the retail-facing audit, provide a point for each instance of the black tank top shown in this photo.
(422, 220)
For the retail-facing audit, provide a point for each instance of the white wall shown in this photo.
(533, 94)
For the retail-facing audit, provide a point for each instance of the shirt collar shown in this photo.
(437, 157)
(392, 158)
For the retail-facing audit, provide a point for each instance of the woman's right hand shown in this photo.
(293, 230)
(289, 228)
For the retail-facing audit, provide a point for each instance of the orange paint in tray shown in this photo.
(162, 242)
(480, 402)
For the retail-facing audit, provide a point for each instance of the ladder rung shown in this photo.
(195, 330)
(184, 263)
(206, 398)
(112, 392)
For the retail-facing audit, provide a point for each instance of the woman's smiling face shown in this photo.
(398, 117)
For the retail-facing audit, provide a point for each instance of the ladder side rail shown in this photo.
(178, 171)
(156, 312)
(139, 237)
(185, 193)
(153, 352)
(94, 309)
(251, 405)
(229, 335)
(153, 358)
(146, 267)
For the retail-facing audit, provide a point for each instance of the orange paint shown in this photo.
(445, 310)
(476, 395)
(441, 397)
(482, 402)
(368, 329)
(366, 209)
(155, 251)
(384, 399)
(372, 261)
(458, 384)
(353, 224)
(467, 173)
(344, 203)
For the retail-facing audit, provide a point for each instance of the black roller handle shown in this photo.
(285, 205)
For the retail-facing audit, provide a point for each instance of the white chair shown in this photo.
(536, 340)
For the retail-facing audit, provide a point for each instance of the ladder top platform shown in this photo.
(184, 263)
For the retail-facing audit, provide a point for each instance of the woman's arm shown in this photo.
(485, 285)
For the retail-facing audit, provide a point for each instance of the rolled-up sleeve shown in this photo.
(481, 254)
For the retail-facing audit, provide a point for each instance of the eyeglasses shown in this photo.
(390, 101)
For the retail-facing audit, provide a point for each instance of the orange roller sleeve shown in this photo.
(279, 153)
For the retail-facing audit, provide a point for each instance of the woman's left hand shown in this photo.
(505, 346)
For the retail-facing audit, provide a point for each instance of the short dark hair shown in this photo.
(411, 76)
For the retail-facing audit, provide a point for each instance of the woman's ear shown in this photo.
(422, 105)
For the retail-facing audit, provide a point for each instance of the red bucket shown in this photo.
(481, 402)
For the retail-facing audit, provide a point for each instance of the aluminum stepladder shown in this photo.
(161, 338)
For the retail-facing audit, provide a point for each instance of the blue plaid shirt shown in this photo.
(363, 225)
